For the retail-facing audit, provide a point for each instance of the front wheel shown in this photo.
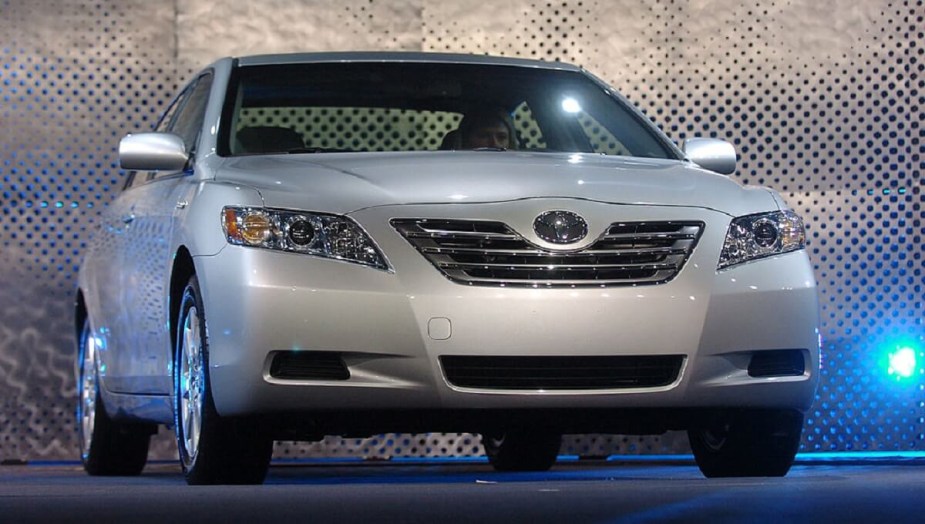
(213, 449)
(747, 443)
(522, 450)
(107, 447)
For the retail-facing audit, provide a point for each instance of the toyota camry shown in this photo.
(361, 243)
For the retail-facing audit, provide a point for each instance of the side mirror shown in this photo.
(710, 153)
(153, 152)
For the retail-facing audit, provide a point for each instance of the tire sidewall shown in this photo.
(88, 459)
(115, 448)
(191, 299)
(229, 451)
(754, 443)
(522, 450)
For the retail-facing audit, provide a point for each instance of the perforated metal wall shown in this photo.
(822, 99)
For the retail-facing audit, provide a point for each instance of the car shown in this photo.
(364, 243)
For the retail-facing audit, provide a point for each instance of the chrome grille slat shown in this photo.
(461, 235)
(539, 252)
(553, 267)
(564, 283)
(490, 253)
(644, 237)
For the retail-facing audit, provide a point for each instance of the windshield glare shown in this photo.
(361, 107)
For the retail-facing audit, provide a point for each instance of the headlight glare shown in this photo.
(330, 236)
(757, 236)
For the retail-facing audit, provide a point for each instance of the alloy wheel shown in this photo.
(88, 392)
(192, 382)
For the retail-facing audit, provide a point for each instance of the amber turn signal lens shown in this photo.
(231, 224)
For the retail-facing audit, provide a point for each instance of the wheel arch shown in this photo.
(80, 313)
(80, 317)
(183, 268)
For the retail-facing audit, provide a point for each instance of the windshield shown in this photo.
(400, 106)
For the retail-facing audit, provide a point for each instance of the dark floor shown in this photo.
(662, 490)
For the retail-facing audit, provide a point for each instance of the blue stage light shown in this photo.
(902, 362)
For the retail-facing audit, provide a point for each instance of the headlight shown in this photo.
(762, 235)
(318, 234)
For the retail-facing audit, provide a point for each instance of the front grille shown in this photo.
(557, 373)
(491, 253)
(308, 365)
(777, 363)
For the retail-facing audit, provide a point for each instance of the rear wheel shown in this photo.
(748, 443)
(213, 449)
(522, 450)
(107, 447)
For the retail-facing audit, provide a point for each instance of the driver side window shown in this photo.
(185, 117)
(187, 123)
(164, 123)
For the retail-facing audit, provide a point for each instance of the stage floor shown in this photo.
(443, 491)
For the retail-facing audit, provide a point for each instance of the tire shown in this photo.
(107, 447)
(522, 450)
(212, 449)
(749, 443)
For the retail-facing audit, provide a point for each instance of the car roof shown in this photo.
(398, 57)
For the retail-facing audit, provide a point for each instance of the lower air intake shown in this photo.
(559, 373)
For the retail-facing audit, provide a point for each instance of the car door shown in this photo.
(112, 275)
(143, 367)
(105, 278)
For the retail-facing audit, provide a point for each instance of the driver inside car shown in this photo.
(483, 129)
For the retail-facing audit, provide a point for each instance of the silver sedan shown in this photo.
(352, 244)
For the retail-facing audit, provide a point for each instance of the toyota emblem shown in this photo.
(560, 227)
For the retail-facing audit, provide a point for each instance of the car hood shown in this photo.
(342, 183)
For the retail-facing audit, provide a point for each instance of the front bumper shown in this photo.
(391, 327)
